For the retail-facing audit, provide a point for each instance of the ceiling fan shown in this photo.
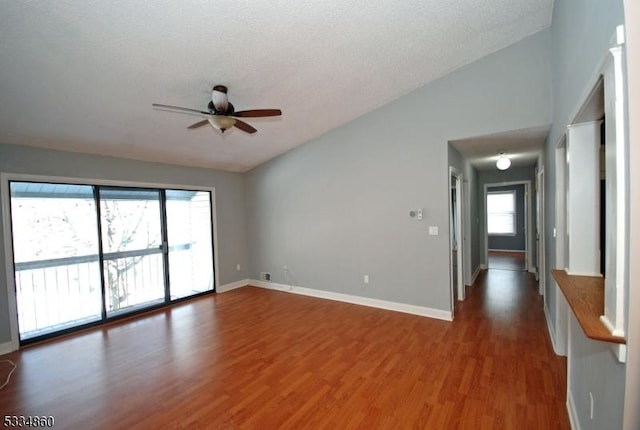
(221, 113)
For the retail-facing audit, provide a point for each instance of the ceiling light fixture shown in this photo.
(503, 162)
(221, 122)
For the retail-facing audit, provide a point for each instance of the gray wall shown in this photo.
(581, 32)
(518, 241)
(337, 207)
(230, 199)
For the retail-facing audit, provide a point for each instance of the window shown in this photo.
(501, 213)
(84, 254)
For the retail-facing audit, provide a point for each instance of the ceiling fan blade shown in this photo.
(199, 124)
(256, 113)
(244, 126)
(180, 109)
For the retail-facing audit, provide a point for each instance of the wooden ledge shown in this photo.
(585, 295)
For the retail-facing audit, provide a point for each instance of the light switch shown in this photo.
(433, 230)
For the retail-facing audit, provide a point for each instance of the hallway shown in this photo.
(503, 315)
(507, 260)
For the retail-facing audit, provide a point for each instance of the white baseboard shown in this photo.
(507, 250)
(232, 286)
(572, 412)
(475, 274)
(550, 328)
(6, 348)
(364, 301)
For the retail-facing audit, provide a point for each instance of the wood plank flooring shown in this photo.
(258, 359)
(507, 260)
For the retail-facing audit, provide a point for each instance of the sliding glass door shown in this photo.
(84, 254)
(56, 258)
(189, 238)
(131, 232)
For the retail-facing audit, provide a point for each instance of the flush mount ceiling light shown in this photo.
(503, 162)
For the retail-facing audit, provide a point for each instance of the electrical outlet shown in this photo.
(590, 405)
(366, 279)
(238, 267)
(286, 269)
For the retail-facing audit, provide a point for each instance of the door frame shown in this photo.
(528, 224)
(5, 178)
(540, 232)
(458, 230)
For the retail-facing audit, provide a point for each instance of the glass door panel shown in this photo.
(131, 231)
(189, 225)
(55, 254)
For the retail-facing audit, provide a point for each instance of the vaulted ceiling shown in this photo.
(81, 75)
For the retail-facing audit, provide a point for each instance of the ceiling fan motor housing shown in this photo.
(212, 108)
(219, 99)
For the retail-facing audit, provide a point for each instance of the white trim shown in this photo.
(506, 250)
(528, 203)
(604, 320)
(458, 229)
(514, 213)
(476, 273)
(358, 300)
(540, 227)
(550, 329)
(6, 225)
(619, 350)
(572, 412)
(590, 274)
(7, 347)
(232, 286)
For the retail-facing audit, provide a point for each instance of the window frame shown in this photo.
(6, 178)
(514, 213)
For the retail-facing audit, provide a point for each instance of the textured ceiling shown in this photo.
(81, 75)
(522, 147)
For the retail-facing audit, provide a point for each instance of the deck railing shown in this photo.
(58, 293)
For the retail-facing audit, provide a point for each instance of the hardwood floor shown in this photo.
(507, 260)
(258, 359)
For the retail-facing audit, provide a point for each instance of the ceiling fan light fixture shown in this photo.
(221, 122)
(220, 114)
(503, 162)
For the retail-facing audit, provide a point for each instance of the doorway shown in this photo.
(456, 237)
(508, 226)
